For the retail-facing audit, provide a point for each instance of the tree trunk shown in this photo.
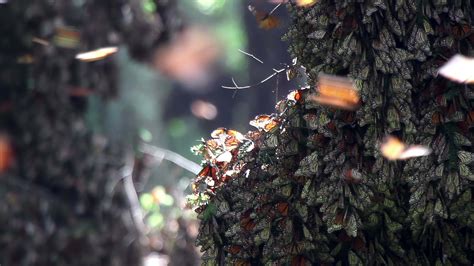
(316, 190)
(63, 198)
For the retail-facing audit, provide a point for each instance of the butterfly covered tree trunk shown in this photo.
(315, 189)
(61, 185)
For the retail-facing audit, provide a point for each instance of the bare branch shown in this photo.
(251, 55)
(274, 9)
(235, 87)
(132, 196)
(172, 157)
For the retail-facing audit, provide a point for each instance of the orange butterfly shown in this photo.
(393, 149)
(208, 171)
(302, 3)
(338, 92)
(265, 20)
(229, 137)
(295, 96)
(6, 153)
(265, 122)
(67, 37)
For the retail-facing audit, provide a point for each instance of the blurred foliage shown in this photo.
(155, 205)
(224, 18)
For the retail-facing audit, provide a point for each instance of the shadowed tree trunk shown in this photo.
(315, 190)
(63, 199)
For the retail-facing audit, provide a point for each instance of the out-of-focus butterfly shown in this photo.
(265, 20)
(96, 55)
(393, 149)
(67, 37)
(302, 3)
(265, 122)
(204, 110)
(338, 92)
(459, 69)
(189, 57)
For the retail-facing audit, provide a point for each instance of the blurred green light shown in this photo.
(209, 6)
(145, 135)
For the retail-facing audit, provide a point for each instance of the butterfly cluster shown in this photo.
(324, 185)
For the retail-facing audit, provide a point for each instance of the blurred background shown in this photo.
(152, 112)
(176, 114)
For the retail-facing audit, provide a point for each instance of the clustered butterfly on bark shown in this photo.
(328, 179)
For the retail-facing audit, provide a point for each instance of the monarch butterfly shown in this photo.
(247, 223)
(282, 208)
(67, 37)
(300, 3)
(461, 31)
(470, 119)
(266, 123)
(337, 92)
(230, 138)
(6, 153)
(458, 68)
(393, 149)
(299, 261)
(295, 96)
(217, 133)
(224, 157)
(96, 55)
(208, 171)
(352, 176)
(234, 249)
(265, 20)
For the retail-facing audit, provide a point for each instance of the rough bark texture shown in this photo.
(296, 198)
(63, 201)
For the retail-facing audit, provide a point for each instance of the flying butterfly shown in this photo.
(97, 54)
(265, 20)
(67, 37)
(300, 3)
(459, 68)
(393, 149)
(265, 122)
(338, 92)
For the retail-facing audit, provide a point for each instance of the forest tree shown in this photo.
(312, 188)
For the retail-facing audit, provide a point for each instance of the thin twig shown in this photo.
(251, 55)
(277, 87)
(172, 157)
(235, 91)
(132, 196)
(275, 8)
(235, 87)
